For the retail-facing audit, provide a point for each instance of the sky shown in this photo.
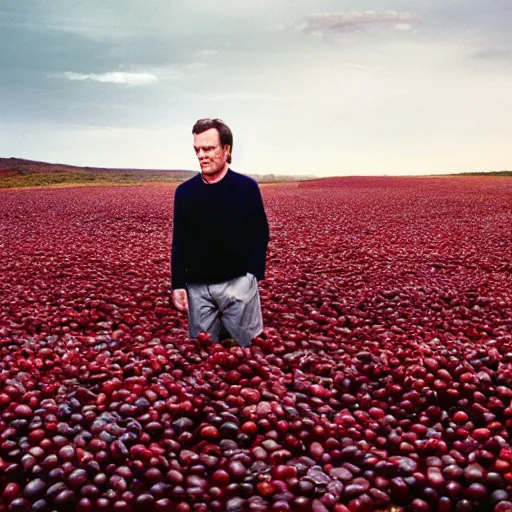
(313, 87)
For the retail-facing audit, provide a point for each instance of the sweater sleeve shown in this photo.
(178, 266)
(257, 231)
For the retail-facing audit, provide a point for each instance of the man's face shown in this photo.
(212, 156)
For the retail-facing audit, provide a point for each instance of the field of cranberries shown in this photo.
(382, 381)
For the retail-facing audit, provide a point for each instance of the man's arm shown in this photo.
(258, 232)
(178, 267)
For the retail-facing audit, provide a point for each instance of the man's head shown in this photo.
(213, 143)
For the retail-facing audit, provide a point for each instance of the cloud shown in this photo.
(351, 21)
(113, 77)
(172, 73)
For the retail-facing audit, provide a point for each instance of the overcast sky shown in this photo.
(325, 87)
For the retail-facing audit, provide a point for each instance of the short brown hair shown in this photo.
(225, 134)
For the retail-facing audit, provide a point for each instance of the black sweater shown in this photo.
(220, 230)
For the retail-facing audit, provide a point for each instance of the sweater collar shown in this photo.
(206, 183)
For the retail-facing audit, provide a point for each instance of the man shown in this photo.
(219, 244)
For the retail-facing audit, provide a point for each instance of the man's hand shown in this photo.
(179, 299)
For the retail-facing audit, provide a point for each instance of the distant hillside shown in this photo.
(24, 167)
(490, 173)
(17, 172)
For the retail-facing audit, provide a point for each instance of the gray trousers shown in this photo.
(233, 305)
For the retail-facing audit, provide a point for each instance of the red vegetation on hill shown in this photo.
(384, 375)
